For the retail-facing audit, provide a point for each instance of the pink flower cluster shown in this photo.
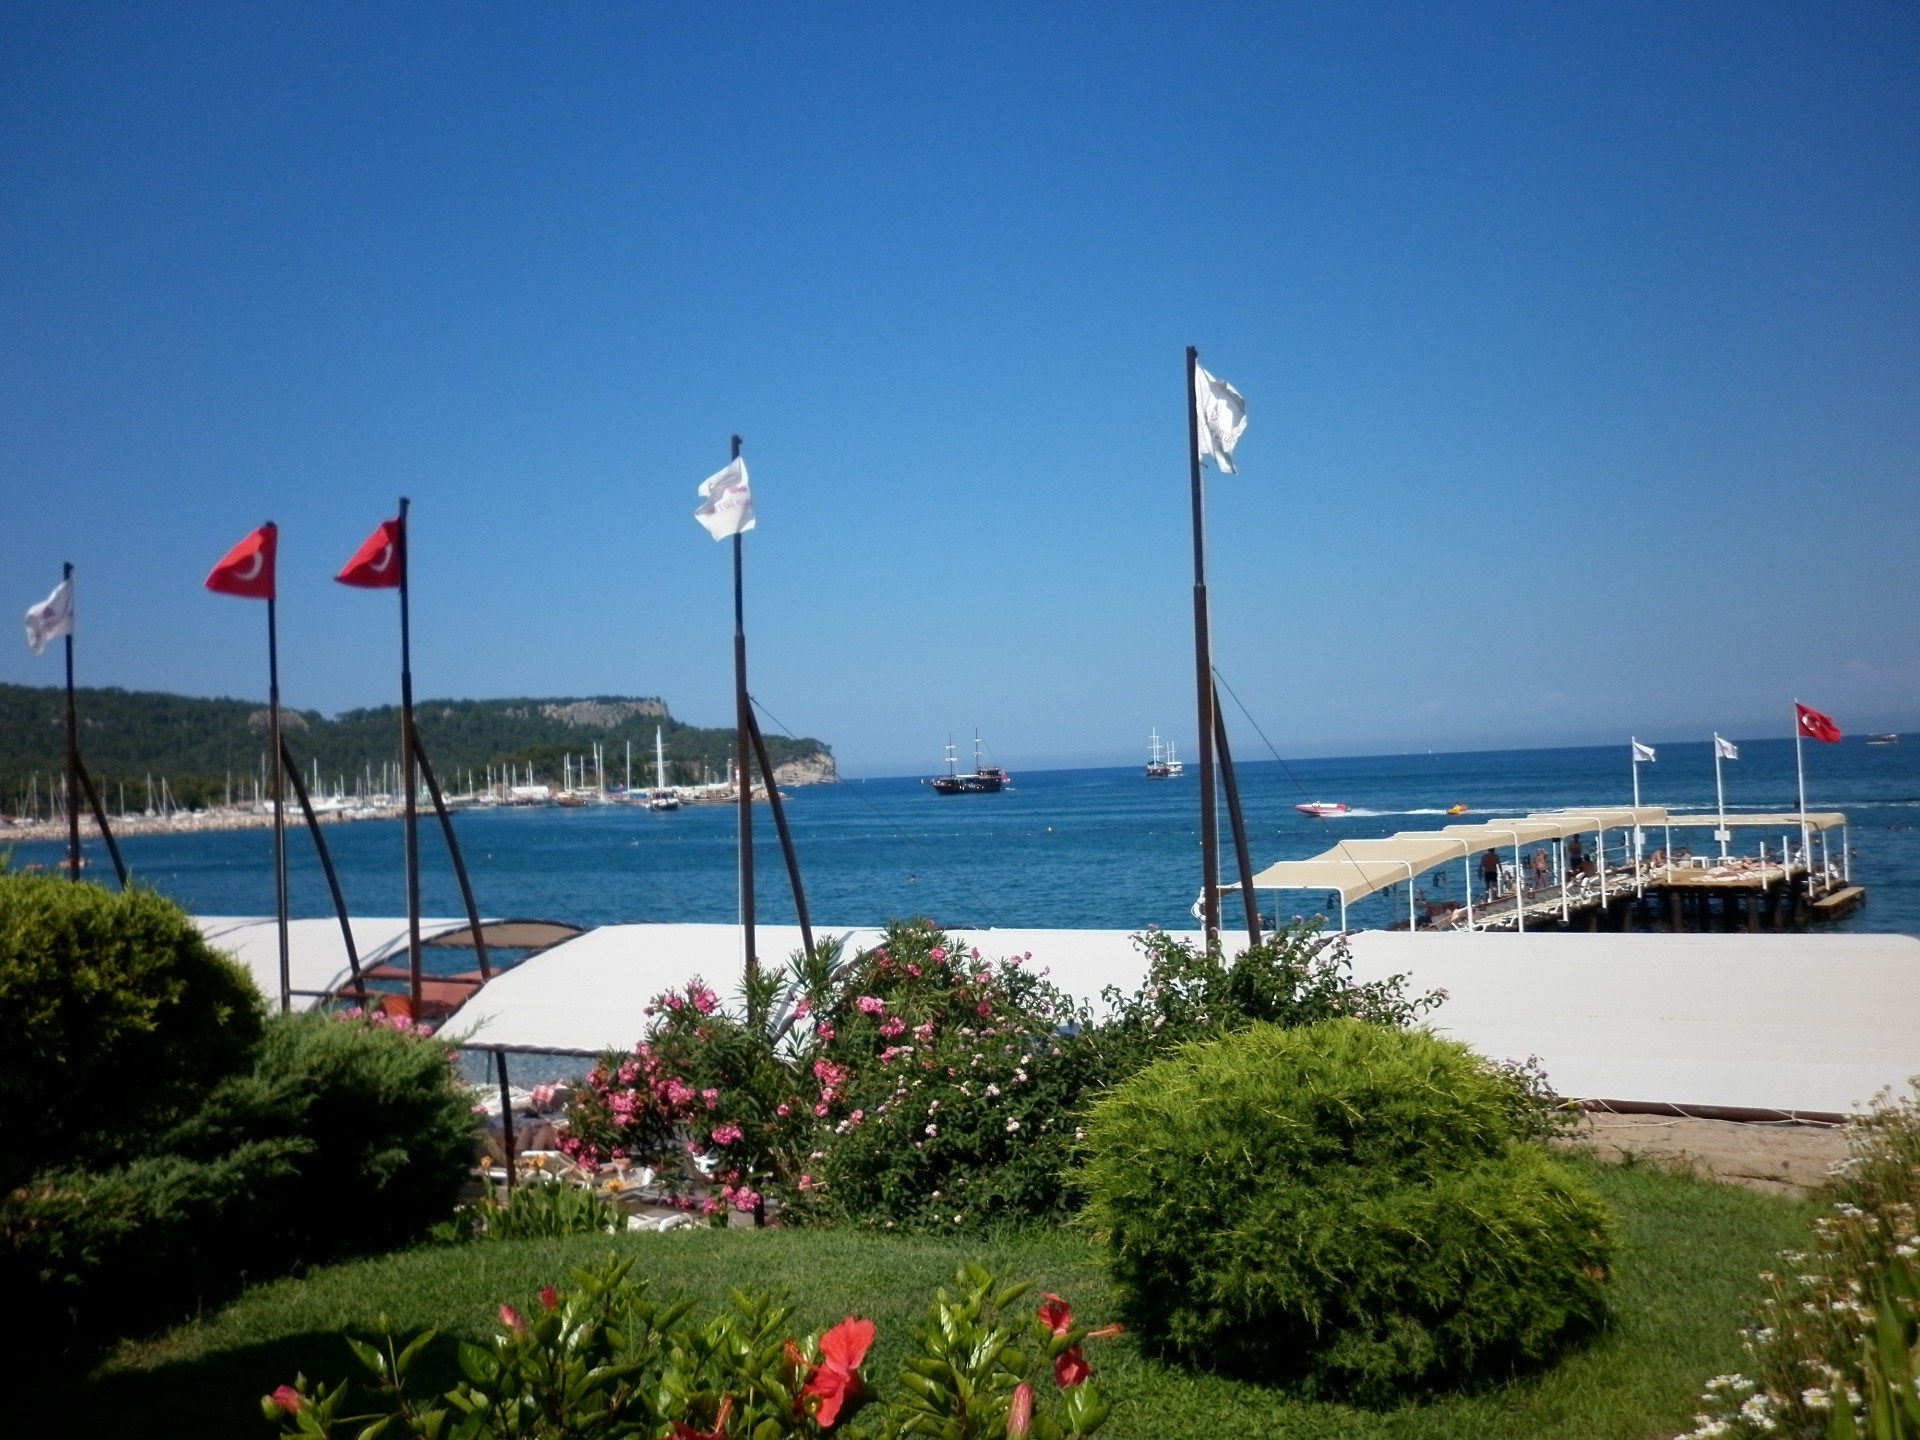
(381, 1020)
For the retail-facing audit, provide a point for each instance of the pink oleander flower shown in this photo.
(712, 1205)
(806, 1183)
(893, 1028)
(288, 1399)
(746, 1201)
(985, 1007)
(871, 1005)
(727, 1135)
(914, 970)
(704, 1000)
(828, 1073)
(783, 1110)
(824, 1031)
(712, 1097)
(923, 1032)
(857, 1116)
(803, 1009)
(938, 955)
(820, 1110)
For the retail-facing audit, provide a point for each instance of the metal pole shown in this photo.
(1241, 856)
(743, 765)
(506, 1117)
(73, 753)
(1466, 870)
(1720, 791)
(459, 865)
(786, 837)
(106, 831)
(326, 864)
(408, 779)
(1800, 774)
(279, 808)
(1203, 671)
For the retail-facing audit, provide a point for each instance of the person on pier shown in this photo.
(1490, 873)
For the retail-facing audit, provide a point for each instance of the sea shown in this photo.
(1095, 848)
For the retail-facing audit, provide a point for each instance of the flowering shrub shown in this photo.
(604, 1360)
(1834, 1343)
(947, 1092)
(1293, 977)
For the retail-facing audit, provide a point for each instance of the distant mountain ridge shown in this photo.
(126, 735)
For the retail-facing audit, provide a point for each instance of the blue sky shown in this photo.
(1581, 346)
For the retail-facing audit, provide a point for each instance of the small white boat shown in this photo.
(662, 797)
(1323, 809)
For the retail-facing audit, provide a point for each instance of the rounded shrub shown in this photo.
(1345, 1208)
(119, 1017)
(375, 1124)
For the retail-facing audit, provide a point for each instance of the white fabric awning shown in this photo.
(316, 953)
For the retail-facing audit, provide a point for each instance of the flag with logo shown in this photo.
(1816, 726)
(1222, 416)
(1725, 749)
(377, 564)
(726, 502)
(1642, 754)
(247, 569)
(51, 618)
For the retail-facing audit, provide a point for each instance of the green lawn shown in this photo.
(1689, 1252)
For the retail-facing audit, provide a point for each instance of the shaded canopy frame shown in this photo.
(1354, 869)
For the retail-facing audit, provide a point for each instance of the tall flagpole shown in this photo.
(73, 750)
(1800, 774)
(743, 756)
(1720, 793)
(279, 806)
(410, 780)
(1203, 673)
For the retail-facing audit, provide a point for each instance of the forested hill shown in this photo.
(127, 735)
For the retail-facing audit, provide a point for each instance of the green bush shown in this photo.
(119, 1016)
(1344, 1208)
(345, 1137)
(379, 1127)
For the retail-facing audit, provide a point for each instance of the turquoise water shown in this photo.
(1101, 848)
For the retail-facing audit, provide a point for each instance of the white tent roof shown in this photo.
(316, 955)
(1778, 1022)
(1811, 1023)
(591, 993)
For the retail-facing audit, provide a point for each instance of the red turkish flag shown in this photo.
(1816, 726)
(247, 569)
(378, 564)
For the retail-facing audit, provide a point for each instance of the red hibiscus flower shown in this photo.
(549, 1297)
(1020, 1414)
(1056, 1314)
(510, 1318)
(683, 1431)
(1071, 1368)
(837, 1377)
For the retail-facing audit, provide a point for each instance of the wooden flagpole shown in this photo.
(1203, 670)
(409, 780)
(742, 754)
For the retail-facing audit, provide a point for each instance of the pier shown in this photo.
(1636, 872)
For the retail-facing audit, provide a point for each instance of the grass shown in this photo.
(1688, 1256)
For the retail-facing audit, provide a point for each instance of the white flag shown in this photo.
(1642, 753)
(1223, 416)
(51, 618)
(1725, 749)
(726, 504)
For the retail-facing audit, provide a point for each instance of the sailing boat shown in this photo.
(662, 796)
(1162, 764)
(985, 780)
